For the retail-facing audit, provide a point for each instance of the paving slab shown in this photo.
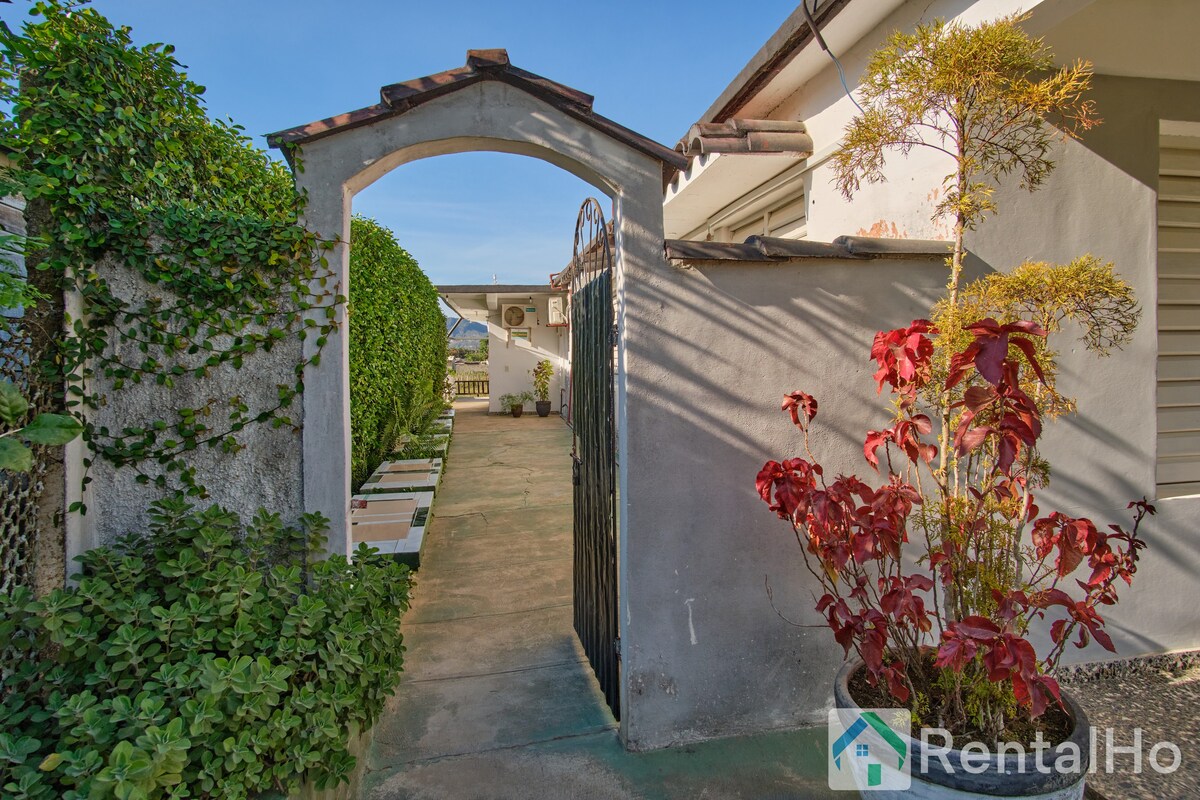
(496, 551)
(457, 716)
(507, 495)
(438, 598)
(481, 645)
(543, 520)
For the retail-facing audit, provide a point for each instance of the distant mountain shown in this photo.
(468, 330)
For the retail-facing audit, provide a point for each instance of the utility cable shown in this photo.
(812, 25)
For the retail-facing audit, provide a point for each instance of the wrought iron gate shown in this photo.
(593, 451)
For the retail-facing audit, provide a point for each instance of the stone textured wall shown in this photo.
(266, 473)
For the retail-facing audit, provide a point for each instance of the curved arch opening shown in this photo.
(345, 155)
(380, 168)
(488, 228)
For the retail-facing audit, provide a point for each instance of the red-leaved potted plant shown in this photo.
(945, 631)
(939, 574)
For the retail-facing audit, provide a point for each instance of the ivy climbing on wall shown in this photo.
(179, 239)
(397, 343)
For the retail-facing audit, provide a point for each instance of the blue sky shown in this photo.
(652, 66)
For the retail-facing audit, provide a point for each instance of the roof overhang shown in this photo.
(792, 56)
(715, 175)
(1153, 39)
(775, 55)
(711, 181)
(476, 302)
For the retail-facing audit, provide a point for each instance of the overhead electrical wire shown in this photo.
(812, 25)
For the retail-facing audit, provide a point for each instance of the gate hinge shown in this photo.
(617, 647)
(576, 466)
(614, 336)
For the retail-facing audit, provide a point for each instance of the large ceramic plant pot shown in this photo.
(543, 408)
(1010, 775)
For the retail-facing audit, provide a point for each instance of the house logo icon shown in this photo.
(868, 749)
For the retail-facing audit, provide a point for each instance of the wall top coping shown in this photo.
(482, 65)
(769, 249)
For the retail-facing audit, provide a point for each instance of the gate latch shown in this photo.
(617, 648)
(576, 465)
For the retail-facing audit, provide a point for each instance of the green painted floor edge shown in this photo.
(788, 765)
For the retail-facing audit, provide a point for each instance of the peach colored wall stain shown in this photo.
(883, 230)
(941, 225)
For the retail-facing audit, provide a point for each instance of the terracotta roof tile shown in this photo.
(482, 65)
(749, 137)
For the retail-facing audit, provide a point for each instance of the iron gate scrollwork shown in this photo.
(593, 451)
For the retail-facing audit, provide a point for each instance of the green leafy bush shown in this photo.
(180, 239)
(542, 374)
(205, 659)
(509, 402)
(397, 342)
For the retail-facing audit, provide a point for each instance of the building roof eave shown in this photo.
(791, 37)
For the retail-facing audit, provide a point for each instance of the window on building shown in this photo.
(778, 207)
(784, 217)
(1178, 463)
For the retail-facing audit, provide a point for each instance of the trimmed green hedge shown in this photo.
(397, 341)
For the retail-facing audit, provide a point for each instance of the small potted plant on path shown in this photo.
(937, 576)
(515, 403)
(541, 386)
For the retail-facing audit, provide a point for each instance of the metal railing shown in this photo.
(471, 387)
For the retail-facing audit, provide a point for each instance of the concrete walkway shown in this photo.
(498, 700)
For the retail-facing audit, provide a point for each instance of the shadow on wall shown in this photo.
(721, 346)
(1102, 199)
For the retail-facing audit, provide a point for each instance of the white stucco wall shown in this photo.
(1103, 199)
(711, 352)
(1100, 200)
(510, 359)
(808, 327)
(486, 116)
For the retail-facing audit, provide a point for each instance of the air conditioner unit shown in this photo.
(558, 311)
(518, 316)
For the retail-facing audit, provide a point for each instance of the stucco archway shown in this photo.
(487, 105)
